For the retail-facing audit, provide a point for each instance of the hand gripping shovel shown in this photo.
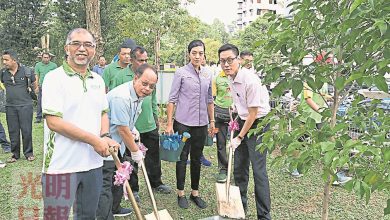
(128, 189)
(228, 196)
(158, 215)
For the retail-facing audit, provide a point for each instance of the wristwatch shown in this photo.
(239, 137)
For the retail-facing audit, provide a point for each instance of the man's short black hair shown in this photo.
(46, 53)
(136, 49)
(227, 47)
(12, 54)
(246, 53)
(141, 69)
(127, 43)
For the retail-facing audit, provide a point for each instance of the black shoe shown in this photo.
(123, 212)
(182, 201)
(198, 201)
(164, 189)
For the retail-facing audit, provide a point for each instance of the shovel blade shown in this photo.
(164, 215)
(229, 207)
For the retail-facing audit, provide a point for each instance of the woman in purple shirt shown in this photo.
(192, 97)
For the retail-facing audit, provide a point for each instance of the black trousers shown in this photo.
(104, 211)
(152, 161)
(152, 158)
(245, 154)
(19, 119)
(3, 138)
(194, 145)
(78, 190)
(222, 136)
(39, 104)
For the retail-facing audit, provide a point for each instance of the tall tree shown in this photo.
(356, 33)
(92, 8)
(22, 25)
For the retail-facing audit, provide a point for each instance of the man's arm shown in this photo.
(249, 121)
(57, 124)
(127, 137)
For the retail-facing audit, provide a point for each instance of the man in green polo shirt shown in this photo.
(41, 69)
(223, 101)
(112, 69)
(147, 125)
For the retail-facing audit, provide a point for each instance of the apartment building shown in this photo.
(249, 10)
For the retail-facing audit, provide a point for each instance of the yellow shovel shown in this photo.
(228, 197)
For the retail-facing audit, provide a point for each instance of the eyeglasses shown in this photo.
(141, 60)
(228, 60)
(151, 86)
(78, 44)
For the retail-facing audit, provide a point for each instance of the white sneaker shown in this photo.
(296, 174)
(341, 179)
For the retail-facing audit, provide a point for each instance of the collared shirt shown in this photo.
(317, 98)
(79, 100)
(98, 69)
(42, 69)
(16, 86)
(109, 74)
(247, 91)
(221, 91)
(125, 107)
(146, 121)
(191, 92)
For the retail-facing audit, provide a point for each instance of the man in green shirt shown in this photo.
(112, 69)
(41, 69)
(223, 101)
(147, 125)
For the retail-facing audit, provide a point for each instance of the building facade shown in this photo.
(249, 10)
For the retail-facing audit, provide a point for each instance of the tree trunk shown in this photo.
(326, 199)
(157, 50)
(92, 9)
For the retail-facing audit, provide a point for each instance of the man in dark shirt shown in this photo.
(19, 109)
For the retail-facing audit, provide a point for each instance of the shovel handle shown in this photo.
(128, 189)
(150, 190)
(229, 171)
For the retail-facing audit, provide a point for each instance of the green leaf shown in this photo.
(340, 83)
(387, 209)
(327, 146)
(382, 25)
(354, 5)
(297, 87)
(359, 56)
(380, 82)
(329, 157)
(386, 154)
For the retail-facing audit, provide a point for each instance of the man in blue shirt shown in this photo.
(99, 67)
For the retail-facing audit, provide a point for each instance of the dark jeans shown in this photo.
(117, 191)
(3, 138)
(39, 104)
(245, 154)
(19, 119)
(104, 211)
(194, 145)
(62, 191)
(152, 158)
(222, 136)
(152, 161)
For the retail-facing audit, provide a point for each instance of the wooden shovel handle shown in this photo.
(128, 189)
(229, 170)
(142, 164)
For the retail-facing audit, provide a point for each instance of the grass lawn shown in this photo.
(292, 198)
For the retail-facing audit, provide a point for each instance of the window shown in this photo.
(251, 12)
(258, 12)
(258, 1)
